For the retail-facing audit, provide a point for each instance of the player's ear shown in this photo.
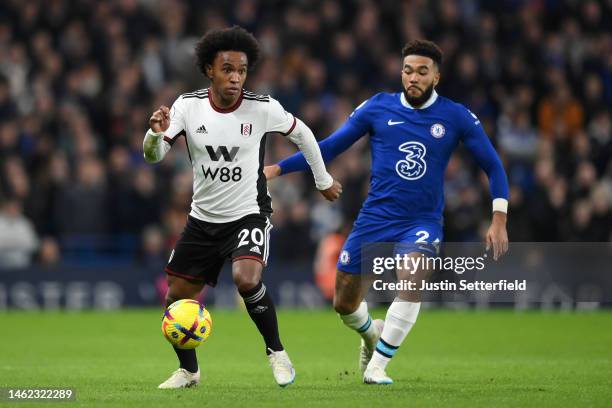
(436, 78)
(208, 71)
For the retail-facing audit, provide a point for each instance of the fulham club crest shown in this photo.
(246, 129)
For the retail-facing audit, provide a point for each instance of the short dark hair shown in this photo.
(424, 48)
(227, 39)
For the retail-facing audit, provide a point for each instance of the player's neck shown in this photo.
(426, 104)
(219, 102)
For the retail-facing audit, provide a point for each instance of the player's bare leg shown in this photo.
(247, 277)
(353, 310)
(188, 373)
(401, 316)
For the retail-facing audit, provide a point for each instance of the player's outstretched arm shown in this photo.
(303, 137)
(153, 145)
(338, 142)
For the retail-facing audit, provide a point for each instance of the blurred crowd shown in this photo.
(79, 80)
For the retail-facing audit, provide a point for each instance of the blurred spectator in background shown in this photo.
(49, 253)
(326, 260)
(77, 78)
(83, 205)
(153, 253)
(18, 240)
(559, 113)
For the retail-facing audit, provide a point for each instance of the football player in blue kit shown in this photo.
(412, 136)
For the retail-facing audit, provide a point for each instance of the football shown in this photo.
(186, 324)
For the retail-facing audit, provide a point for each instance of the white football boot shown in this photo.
(181, 378)
(376, 375)
(367, 349)
(283, 371)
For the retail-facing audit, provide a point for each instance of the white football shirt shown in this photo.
(226, 148)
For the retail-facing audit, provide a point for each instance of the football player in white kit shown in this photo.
(225, 128)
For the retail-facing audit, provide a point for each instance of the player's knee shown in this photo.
(179, 289)
(171, 292)
(246, 281)
(345, 306)
(174, 295)
(246, 274)
(171, 298)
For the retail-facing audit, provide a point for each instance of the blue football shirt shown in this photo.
(410, 151)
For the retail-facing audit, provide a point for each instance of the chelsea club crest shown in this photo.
(437, 130)
(345, 258)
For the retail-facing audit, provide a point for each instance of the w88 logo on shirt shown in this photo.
(225, 173)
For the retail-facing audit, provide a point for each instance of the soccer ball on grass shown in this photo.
(186, 324)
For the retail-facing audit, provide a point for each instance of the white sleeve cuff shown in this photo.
(154, 134)
(302, 136)
(325, 183)
(501, 205)
(153, 147)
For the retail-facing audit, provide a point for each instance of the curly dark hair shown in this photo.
(424, 48)
(227, 39)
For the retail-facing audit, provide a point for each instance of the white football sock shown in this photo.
(361, 321)
(401, 316)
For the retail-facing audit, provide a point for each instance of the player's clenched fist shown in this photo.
(333, 193)
(160, 120)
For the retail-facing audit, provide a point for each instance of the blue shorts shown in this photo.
(407, 236)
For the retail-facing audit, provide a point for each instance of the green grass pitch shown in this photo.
(454, 359)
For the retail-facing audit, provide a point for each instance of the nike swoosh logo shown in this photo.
(391, 123)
